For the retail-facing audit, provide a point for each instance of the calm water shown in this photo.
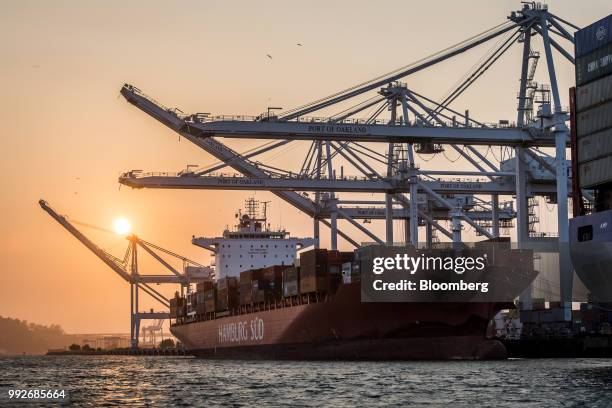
(163, 381)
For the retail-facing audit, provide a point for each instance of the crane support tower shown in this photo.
(127, 268)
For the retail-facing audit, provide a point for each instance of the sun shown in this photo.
(122, 226)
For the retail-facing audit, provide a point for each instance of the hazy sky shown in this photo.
(66, 135)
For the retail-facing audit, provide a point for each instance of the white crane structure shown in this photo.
(380, 128)
(152, 333)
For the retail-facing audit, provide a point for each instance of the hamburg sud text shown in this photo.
(395, 274)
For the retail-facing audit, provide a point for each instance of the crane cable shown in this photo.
(388, 74)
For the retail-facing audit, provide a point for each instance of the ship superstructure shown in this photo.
(252, 244)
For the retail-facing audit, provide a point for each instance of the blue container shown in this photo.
(594, 36)
(596, 64)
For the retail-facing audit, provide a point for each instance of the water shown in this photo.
(163, 381)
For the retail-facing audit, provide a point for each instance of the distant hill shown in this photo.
(19, 336)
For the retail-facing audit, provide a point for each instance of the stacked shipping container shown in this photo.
(227, 294)
(291, 281)
(262, 285)
(594, 103)
(320, 271)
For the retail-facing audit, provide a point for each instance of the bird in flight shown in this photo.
(269, 56)
(300, 45)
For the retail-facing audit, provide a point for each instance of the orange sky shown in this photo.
(66, 135)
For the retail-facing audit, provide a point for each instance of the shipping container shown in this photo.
(291, 281)
(245, 292)
(333, 257)
(593, 36)
(225, 283)
(200, 308)
(227, 294)
(347, 256)
(317, 256)
(347, 272)
(252, 274)
(594, 120)
(204, 286)
(314, 272)
(595, 146)
(594, 65)
(273, 278)
(210, 297)
(312, 283)
(259, 295)
(291, 288)
(246, 285)
(594, 93)
(595, 172)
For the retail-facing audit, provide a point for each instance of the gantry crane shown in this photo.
(127, 268)
(150, 333)
(398, 118)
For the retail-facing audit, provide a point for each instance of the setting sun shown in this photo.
(122, 226)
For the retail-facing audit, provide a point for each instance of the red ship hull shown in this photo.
(343, 328)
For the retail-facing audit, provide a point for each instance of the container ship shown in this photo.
(266, 302)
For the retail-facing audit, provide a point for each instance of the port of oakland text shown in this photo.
(338, 129)
(239, 332)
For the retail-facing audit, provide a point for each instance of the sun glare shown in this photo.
(122, 226)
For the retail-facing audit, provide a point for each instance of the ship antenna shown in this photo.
(265, 210)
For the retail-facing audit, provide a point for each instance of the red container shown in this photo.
(247, 277)
(246, 285)
(210, 300)
(273, 282)
(227, 294)
(317, 256)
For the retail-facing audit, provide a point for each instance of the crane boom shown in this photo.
(99, 252)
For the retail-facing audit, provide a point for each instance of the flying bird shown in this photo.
(269, 56)
(300, 45)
